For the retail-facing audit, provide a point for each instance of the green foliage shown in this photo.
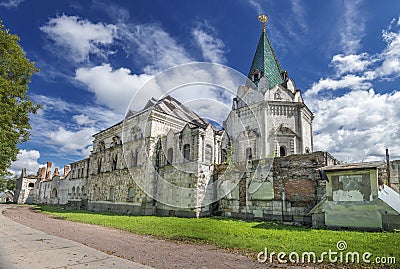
(7, 183)
(250, 236)
(15, 105)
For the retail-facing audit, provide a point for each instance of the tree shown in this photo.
(7, 183)
(15, 105)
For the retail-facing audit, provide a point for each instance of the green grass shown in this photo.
(250, 236)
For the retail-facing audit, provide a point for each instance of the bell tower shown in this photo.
(269, 117)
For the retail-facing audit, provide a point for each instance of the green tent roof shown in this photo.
(265, 60)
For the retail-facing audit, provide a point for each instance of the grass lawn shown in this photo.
(250, 236)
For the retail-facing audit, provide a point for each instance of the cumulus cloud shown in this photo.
(113, 88)
(78, 142)
(11, 3)
(28, 159)
(80, 37)
(358, 126)
(351, 63)
(358, 71)
(212, 48)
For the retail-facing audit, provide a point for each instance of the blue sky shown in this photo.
(94, 55)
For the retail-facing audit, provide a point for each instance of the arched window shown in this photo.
(170, 155)
(131, 194)
(111, 194)
(186, 152)
(99, 166)
(114, 162)
(73, 190)
(83, 189)
(307, 150)
(134, 158)
(208, 154)
(53, 193)
(224, 156)
(31, 185)
(249, 154)
(282, 151)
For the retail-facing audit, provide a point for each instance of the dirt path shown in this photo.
(139, 248)
(143, 249)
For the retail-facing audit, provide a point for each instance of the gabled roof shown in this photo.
(170, 106)
(265, 60)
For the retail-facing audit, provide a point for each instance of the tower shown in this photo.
(268, 117)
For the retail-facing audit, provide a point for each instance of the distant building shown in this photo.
(6, 196)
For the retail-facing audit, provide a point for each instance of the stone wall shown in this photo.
(288, 191)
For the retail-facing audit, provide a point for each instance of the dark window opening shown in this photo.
(282, 151)
(249, 154)
(170, 155)
(186, 152)
(31, 185)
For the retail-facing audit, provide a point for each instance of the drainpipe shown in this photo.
(387, 167)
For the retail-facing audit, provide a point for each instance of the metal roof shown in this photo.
(351, 166)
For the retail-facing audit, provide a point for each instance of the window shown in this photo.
(170, 155)
(53, 193)
(111, 194)
(134, 158)
(73, 190)
(99, 166)
(131, 194)
(307, 150)
(77, 190)
(249, 154)
(186, 152)
(114, 162)
(31, 185)
(282, 151)
(208, 154)
(224, 157)
(83, 189)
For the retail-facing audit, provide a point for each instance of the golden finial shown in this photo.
(263, 19)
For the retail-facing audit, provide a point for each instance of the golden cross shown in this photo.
(263, 19)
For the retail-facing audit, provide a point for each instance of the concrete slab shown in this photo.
(24, 247)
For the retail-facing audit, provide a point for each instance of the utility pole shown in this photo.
(387, 167)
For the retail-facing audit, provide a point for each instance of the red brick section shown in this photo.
(300, 190)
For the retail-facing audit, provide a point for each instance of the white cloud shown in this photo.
(353, 26)
(82, 119)
(80, 37)
(74, 142)
(351, 63)
(11, 3)
(349, 81)
(154, 46)
(211, 47)
(26, 159)
(256, 6)
(113, 88)
(299, 14)
(358, 71)
(358, 125)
